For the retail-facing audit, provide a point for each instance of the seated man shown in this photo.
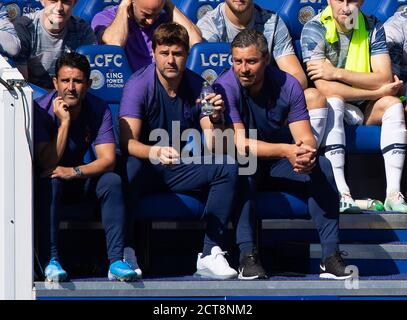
(158, 99)
(348, 60)
(263, 98)
(131, 25)
(229, 18)
(67, 122)
(9, 42)
(396, 37)
(45, 35)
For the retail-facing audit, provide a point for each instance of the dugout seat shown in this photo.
(16, 8)
(382, 9)
(87, 9)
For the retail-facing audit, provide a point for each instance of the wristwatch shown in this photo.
(221, 120)
(78, 172)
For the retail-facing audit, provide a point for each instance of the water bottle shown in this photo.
(370, 204)
(206, 106)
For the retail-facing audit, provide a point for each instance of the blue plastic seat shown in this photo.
(109, 74)
(16, 8)
(209, 59)
(382, 9)
(87, 9)
(196, 9)
(294, 13)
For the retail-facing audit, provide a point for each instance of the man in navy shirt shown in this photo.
(266, 99)
(67, 122)
(164, 95)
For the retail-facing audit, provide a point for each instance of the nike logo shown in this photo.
(323, 268)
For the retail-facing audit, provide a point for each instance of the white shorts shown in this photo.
(353, 115)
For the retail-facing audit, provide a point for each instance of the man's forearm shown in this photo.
(118, 31)
(267, 150)
(137, 149)
(53, 152)
(362, 80)
(194, 33)
(97, 167)
(348, 93)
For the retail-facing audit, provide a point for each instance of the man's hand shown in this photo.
(302, 157)
(61, 110)
(218, 105)
(390, 89)
(166, 155)
(321, 70)
(64, 173)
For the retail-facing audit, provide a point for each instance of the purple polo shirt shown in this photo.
(281, 100)
(144, 98)
(93, 126)
(138, 46)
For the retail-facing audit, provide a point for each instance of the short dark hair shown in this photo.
(171, 33)
(73, 60)
(247, 38)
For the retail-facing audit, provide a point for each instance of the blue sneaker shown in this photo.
(54, 272)
(122, 271)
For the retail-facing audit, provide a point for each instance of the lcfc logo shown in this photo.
(306, 14)
(98, 80)
(13, 11)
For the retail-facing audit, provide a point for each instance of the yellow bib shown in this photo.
(358, 59)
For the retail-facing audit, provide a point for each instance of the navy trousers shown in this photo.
(320, 190)
(219, 181)
(53, 193)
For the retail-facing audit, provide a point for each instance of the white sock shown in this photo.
(318, 119)
(334, 141)
(393, 141)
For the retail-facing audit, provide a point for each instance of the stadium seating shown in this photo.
(382, 9)
(196, 9)
(87, 9)
(294, 13)
(209, 59)
(16, 8)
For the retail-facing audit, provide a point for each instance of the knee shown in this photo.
(386, 102)
(111, 181)
(314, 99)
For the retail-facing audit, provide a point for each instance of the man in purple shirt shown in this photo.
(67, 122)
(266, 99)
(132, 23)
(157, 99)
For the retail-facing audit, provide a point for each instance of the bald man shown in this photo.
(132, 23)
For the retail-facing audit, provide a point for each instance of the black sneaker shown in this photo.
(250, 268)
(334, 267)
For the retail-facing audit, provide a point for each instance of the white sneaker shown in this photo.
(395, 202)
(347, 204)
(129, 256)
(214, 266)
